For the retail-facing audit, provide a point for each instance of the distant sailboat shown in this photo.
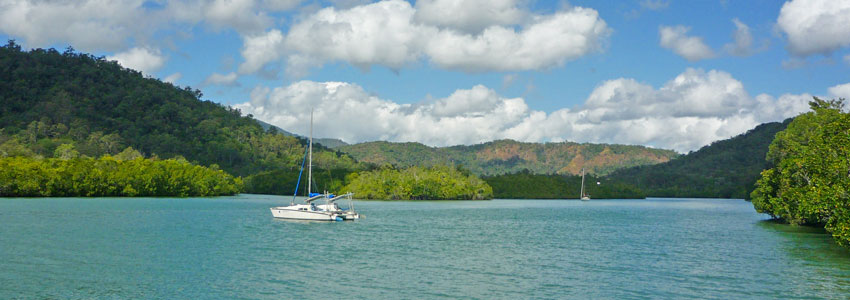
(584, 196)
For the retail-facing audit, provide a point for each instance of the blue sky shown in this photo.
(668, 74)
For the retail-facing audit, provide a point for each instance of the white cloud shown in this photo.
(280, 5)
(689, 111)
(87, 25)
(378, 33)
(548, 42)
(815, 26)
(691, 48)
(654, 5)
(743, 45)
(97, 25)
(144, 60)
(222, 79)
(258, 50)
(385, 33)
(173, 78)
(840, 91)
(241, 15)
(469, 16)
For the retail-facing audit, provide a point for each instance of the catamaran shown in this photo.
(329, 211)
(331, 206)
(584, 196)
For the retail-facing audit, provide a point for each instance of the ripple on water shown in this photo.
(230, 247)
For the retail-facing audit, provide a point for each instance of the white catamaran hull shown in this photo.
(282, 213)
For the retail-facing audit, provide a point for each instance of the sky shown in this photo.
(661, 73)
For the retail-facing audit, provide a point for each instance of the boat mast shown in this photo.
(310, 155)
(582, 184)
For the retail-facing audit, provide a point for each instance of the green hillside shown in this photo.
(724, 169)
(507, 156)
(327, 142)
(49, 98)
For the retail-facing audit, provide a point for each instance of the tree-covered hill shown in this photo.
(724, 169)
(50, 98)
(326, 142)
(507, 156)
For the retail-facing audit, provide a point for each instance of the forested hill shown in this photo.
(725, 169)
(50, 98)
(327, 142)
(507, 156)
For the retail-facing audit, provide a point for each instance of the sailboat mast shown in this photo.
(310, 155)
(582, 184)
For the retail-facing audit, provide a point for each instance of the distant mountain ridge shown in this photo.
(508, 156)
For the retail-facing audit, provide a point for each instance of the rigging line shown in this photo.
(299, 175)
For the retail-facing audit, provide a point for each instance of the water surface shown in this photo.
(231, 247)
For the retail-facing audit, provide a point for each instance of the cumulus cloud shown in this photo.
(243, 16)
(222, 79)
(378, 33)
(88, 25)
(689, 111)
(387, 33)
(840, 91)
(743, 45)
(141, 59)
(173, 78)
(691, 48)
(96, 25)
(550, 41)
(815, 26)
(260, 49)
(467, 15)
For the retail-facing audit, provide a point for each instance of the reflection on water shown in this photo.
(231, 247)
(814, 248)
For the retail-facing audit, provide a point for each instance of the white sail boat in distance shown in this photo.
(307, 211)
(584, 196)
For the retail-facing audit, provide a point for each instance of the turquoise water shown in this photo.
(231, 247)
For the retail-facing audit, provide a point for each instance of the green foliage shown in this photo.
(724, 169)
(110, 177)
(66, 151)
(282, 182)
(48, 99)
(129, 154)
(507, 156)
(810, 178)
(525, 185)
(417, 183)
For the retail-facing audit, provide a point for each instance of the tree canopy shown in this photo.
(809, 180)
(418, 183)
(50, 98)
(111, 176)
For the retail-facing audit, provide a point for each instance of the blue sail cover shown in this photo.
(317, 194)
